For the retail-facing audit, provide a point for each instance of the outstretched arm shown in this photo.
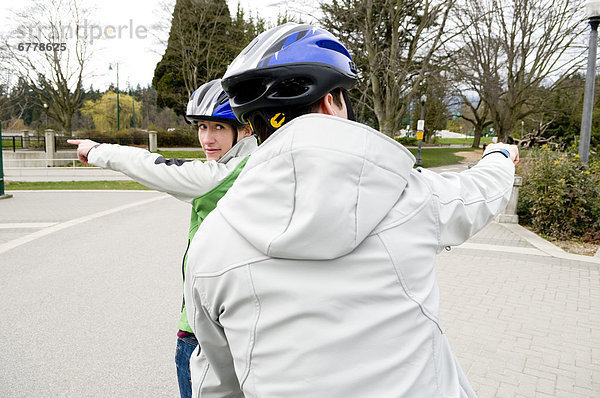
(468, 201)
(183, 179)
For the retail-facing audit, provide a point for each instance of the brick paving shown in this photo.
(522, 325)
(497, 234)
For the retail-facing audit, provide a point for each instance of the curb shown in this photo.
(548, 248)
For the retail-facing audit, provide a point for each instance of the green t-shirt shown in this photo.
(201, 207)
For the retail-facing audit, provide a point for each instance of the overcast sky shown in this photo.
(138, 54)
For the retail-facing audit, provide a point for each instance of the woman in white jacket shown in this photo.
(326, 287)
(226, 143)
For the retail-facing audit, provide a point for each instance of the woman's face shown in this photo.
(216, 138)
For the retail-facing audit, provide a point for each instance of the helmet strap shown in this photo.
(266, 123)
(348, 105)
(235, 135)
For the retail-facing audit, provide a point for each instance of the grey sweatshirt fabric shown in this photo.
(315, 274)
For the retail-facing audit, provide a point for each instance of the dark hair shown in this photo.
(336, 93)
(258, 118)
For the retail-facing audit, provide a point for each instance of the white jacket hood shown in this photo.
(317, 188)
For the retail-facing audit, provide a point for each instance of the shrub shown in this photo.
(410, 141)
(560, 195)
(177, 138)
(124, 137)
(139, 137)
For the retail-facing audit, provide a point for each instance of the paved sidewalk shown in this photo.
(34, 174)
(523, 322)
(523, 316)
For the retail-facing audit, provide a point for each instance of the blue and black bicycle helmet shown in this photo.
(290, 66)
(209, 102)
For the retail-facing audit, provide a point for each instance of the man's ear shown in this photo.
(326, 105)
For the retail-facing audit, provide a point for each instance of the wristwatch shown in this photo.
(501, 150)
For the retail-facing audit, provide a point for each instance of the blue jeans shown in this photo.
(185, 347)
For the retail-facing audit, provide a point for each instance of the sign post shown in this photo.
(2, 194)
(421, 129)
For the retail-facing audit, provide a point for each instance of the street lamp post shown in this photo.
(421, 130)
(46, 114)
(110, 68)
(522, 128)
(593, 14)
(133, 105)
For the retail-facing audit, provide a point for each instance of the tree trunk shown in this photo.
(477, 136)
(386, 126)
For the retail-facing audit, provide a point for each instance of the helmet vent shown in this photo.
(248, 90)
(333, 45)
(291, 88)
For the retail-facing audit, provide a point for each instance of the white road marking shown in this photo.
(57, 227)
(27, 225)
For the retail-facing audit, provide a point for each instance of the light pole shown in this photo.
(421, 129)
(110, 68)
(522, 128)
(46, 113)
(133, 105)
(593, 14)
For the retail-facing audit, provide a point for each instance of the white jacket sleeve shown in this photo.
(468, 201)
(183, 180)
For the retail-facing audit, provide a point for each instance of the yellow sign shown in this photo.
(277, 120)
(419, 135)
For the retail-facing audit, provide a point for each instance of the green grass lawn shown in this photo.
(435, 157)
(7, 144)
(463, 141)
(182, 154)
(432, 157)
(13, 186)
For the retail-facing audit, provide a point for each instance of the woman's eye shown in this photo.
(202, 126)
(219, 127)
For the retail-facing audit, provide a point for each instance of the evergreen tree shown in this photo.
(199, 49)
(244, 30)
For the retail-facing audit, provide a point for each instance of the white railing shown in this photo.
(44, 163)
(7, 163)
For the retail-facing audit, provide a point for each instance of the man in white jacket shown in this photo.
(314, 276)
(226, 143)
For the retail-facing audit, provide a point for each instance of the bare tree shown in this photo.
(14, 100)
(393, 43)
(50, 51)
(466, 90)
(536, 136)
(509, 49)
(477, 114)
(162, 25)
